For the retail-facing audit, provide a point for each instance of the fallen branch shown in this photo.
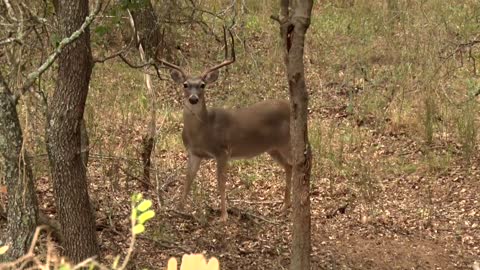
(242, 214)
(166, 244)
(186, 216)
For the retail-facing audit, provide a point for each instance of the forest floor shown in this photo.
(391, 212)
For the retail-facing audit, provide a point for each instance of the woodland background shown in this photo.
(394, 90)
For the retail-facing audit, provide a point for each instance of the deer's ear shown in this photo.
(211, 76)
(177, 76)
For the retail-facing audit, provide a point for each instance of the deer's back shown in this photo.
(250, 131)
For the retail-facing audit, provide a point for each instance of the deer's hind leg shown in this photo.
(283, 157)
(222, 162)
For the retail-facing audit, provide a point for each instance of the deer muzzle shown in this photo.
(193, 99)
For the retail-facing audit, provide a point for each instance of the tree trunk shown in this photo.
(22, 210)
(293, 29)
(75, 213)
(149, 37)
(85, 143)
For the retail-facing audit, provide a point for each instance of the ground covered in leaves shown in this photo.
(384, 208)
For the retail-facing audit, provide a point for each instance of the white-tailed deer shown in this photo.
(230, 134)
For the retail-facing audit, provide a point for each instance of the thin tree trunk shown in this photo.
(147, 28)
(75, 213)
(293, 29)
(22, 210)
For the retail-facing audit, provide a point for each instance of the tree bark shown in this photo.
(22, 210)
(293, 29)
(75, 213)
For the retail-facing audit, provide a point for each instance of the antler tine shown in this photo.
(225, 62)
(170, 65)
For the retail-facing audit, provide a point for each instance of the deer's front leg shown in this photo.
(222, 181)
(193, 164)
(288, 189)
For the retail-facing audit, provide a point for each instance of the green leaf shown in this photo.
(145, 216)
(139, 228)
(4, 249)
(115, 262)
(144, 205)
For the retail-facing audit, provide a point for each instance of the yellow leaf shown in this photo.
(172, 264)
(4, 249)
(193, 262)
(144, 205)
(139, 228)
(213, 264)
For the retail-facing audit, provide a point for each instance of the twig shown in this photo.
(186, 215)
(166, 244)
(243, 214)
(136, 178)
(275, 18)
(4, 86)
(10, 12)
(257, 202)
(52, 57)
(132, 241)
(29, 255)
(116, 54)
(142, 65)
(10, 40)
(90, 262)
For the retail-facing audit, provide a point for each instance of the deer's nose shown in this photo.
(193, 99)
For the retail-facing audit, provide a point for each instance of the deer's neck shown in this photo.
(195, 116)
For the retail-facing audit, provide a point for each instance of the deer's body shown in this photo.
(239, 133)
(224, 134)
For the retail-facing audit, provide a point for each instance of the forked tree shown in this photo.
(22, 211)
(294, 22)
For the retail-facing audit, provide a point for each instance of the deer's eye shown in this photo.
(202, 85)
(185, 85)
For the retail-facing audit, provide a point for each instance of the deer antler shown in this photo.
(170, 65)
(225, 62)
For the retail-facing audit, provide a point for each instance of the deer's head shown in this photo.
(194, 87)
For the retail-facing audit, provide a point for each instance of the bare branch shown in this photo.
(10, 12)
(51, 59)
(4, 86)
(150, 62)
(10, 40)
(226, 62)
